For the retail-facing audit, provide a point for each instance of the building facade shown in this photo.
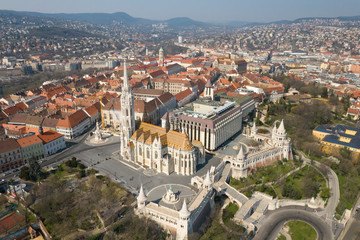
(183, 216)
(227, 64)
(74, 125)
(31, 147)
(165, 150)
(10, 155)
(210, 122)
(332, 139)
(174, 86)
(53, 142)
(275, 147)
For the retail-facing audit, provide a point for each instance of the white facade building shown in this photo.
(276, 147)
(53, 142)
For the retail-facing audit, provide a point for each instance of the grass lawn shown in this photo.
(216, 231)
(228, 214)
(303, 184)
(266, 174)
(233, 208)
(299, 230)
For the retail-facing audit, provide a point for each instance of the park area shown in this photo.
(297, 230)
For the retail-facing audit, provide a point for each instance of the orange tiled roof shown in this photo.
(27, 141)
(183, 94)
(49, 136)
(171, 139)
(73, 120)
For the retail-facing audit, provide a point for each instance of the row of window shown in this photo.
(10, 159)
(14, 152)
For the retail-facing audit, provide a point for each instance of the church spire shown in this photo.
(126, 80)
(167, 124)
(127, 120)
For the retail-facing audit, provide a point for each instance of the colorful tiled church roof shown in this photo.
(147, 133)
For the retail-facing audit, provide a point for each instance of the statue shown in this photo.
(98, 135)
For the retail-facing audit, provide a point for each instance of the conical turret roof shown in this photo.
(184, 212)
(281, 130)
(142, 197)
(208, 84)
(241, 154)
(254, 126)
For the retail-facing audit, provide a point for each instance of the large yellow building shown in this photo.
(332, 139)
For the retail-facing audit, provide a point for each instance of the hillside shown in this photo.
(60, 32)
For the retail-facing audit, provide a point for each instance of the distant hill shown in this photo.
(50, 32)
(100, 18)
(109, 18)
(179, 22)
(184, 21)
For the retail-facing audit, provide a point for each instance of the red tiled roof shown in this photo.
(27, 141)
(22, 106)
(353, 111)
(11, 110)
(181, 95)
(73, 120)
(92, 110)
(49, 136)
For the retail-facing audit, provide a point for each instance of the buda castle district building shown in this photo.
(178, 147)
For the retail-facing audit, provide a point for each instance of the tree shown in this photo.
(325, 193)
(345, 153)
(34, 169)
(25, 173)
(324, 93)
(72, 163)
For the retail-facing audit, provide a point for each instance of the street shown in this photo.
(274, 220)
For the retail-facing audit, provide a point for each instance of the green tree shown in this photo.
(34, 169)
(25, 173)
(324, 93)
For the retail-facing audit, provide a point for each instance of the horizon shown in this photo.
(215, 22)
(231, 10)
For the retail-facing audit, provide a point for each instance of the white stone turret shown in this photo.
(253, 130)
(241, 155)
(281, 132)
(274, 130)
(141, 199)
(207, 184)
(184, 213)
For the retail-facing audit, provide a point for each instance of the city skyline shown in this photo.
(209, 11)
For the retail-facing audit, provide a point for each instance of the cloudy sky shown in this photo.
(203, 10)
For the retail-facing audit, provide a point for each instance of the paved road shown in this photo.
(274, 220)
(352, 230)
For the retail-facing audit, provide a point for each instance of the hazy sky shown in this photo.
(203, 10)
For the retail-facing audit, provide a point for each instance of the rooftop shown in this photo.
(30, 140)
